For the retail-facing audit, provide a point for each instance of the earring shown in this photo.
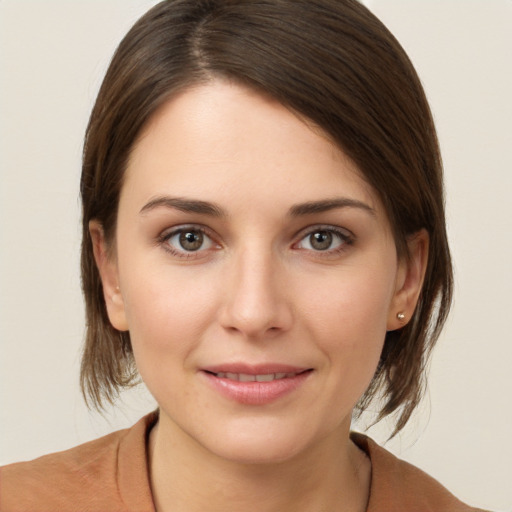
(400, 316)
(115, 296)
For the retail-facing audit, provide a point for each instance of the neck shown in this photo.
(185, 477)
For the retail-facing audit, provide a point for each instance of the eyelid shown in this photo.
(345, 234)
(168, 233)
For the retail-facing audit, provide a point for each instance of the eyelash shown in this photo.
(346, 239)
(164, 238)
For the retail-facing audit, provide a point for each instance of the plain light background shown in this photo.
(53, 55)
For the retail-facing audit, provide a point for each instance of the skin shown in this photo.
(256, 291)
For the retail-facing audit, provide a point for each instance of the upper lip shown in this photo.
(254, 369)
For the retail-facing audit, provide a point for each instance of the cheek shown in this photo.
(166, 310)
(354, 304)
(348, 318)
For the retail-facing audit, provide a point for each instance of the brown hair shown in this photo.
(331, 61)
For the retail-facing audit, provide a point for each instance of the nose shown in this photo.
(255, 301)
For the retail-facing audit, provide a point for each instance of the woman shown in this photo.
(264, 238)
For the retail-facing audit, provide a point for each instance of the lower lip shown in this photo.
(256, 393)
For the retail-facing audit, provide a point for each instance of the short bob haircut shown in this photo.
(331, 62)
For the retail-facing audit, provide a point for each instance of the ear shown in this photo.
(409, 281)
(107, 267)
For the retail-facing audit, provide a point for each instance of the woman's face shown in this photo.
(257, 275)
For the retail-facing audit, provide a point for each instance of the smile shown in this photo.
(256, 386)
(246, 377)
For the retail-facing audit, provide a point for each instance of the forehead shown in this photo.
(223, 140)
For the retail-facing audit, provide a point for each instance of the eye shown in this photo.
(324, 240)
(188, 240)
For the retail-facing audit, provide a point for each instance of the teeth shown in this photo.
(245, 377)
(265, 378)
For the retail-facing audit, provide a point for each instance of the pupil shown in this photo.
(321, 240)
(191, 240)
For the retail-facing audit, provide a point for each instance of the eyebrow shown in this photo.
(184, 205)
(213, 210)
(325, 205)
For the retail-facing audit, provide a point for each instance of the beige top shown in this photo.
(111, 474)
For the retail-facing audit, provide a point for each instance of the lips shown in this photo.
(256, 384)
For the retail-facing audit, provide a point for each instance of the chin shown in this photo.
(262, 442)
(256, 452)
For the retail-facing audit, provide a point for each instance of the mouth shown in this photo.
(256, 385)
(261, 377)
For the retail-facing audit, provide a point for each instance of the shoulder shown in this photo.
(87, 477)
(57, 480)
(398, 485)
